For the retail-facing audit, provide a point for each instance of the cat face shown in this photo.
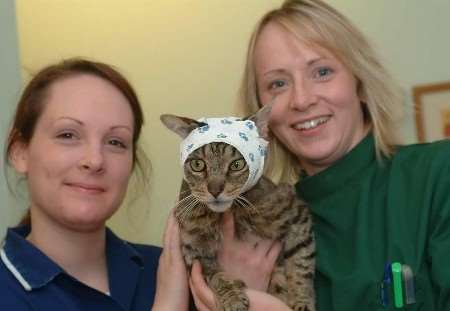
(216, 174)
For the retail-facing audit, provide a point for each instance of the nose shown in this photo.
(216, 187)
(92, 159)
(303, 95)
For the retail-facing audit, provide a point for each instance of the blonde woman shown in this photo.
(377, 206)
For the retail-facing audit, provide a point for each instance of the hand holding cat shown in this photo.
(251, 260)
(172, 292)
(205, 301)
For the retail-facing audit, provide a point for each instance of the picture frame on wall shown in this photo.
(432, 111)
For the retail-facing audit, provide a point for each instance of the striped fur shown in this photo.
(267, 210)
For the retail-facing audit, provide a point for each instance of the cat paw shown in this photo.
(235, 303)
(304, 307)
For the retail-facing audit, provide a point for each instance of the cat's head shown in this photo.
(217, 171)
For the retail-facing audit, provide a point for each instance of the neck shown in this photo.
(80, 254)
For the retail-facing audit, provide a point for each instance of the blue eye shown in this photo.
(323, 72)
(277, 84)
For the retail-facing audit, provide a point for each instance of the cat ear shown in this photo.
(180, 125)
(261, 119)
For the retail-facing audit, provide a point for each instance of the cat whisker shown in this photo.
(240, 203)
(183, 192)
(245, 206)
(182, 207)
(187, 210)
(184, 204)
(246, 203)
(190, 211)
(185, 200)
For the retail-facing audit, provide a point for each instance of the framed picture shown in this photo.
(432, 108)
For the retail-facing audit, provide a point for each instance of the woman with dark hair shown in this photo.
(74, 139)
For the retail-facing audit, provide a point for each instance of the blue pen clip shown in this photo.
(385, 285)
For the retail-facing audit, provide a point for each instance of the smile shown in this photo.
(86, 188)
(310, 124)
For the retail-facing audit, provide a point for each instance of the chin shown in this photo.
(87, 223)
(86, 226)
(316, 152)
(219, 207)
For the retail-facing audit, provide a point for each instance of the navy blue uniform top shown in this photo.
(29, 280)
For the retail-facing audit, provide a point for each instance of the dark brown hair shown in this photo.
(32, 102)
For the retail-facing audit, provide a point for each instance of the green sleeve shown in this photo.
(439, 238)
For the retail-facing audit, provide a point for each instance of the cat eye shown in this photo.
(237, 165)
(197, 165)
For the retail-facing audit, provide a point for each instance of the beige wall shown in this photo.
(186, 57)
(9, 90)
(183, 57)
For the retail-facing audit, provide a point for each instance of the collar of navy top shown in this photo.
(33, 269)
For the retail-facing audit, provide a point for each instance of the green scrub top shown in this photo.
(369, 213)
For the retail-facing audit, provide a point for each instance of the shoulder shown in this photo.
(146, 250)
(424, 156)
(149, 253)
(12, 293)
(439, 148)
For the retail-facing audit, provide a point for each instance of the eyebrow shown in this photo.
(308, 64)
(315, 60)
(82, 123)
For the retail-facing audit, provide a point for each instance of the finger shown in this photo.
(203, 292)
(174, 232)
(272, 254)
(172, 245)
(227, 227)
(198, 303)
(169, 225)
(261, 247)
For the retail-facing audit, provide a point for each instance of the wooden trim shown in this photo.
(418, 92)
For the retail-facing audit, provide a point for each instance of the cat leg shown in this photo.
(299, 255)
(278, 283)
(300, 283)
(230, 295)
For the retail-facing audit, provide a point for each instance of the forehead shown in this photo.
(275, 46)
(88, 98)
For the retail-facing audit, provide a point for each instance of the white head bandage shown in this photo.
(243, 135)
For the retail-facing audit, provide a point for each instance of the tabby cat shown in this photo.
(213, 177)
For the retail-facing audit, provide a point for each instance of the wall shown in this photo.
(412, 39)
(9, 90)
(186, 57)
(183, 57)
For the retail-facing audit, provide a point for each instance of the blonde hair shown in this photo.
(317, 24)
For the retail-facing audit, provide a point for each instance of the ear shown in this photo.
(261, 119)
(18, 157)
(180, 125)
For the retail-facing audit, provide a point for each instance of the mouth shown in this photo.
(311, 123)
(219, 206)
(86, 188)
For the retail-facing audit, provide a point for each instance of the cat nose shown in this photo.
(215, 188)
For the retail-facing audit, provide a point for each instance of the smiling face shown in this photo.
(317, 113)
(80, 156)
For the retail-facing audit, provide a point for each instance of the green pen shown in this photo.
(396, 268)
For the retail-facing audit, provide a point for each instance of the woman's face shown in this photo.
(80, 157)
(317, 113)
